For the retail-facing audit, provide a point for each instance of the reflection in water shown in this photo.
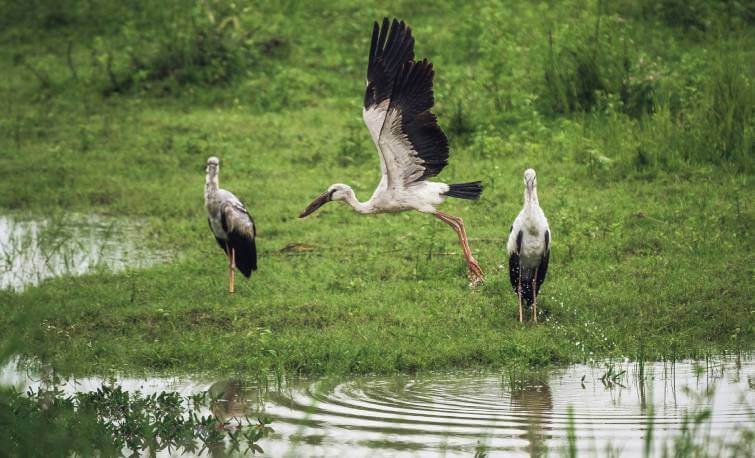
(458, 413)
(32, 250)
(533, 399)
(232, 400)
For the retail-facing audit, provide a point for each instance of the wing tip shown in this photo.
(390, 33)
(391, 46)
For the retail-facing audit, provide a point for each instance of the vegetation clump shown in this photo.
(210, 48)
(109, 420)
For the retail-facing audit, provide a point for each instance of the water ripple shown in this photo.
(457, 414)
(454, 414)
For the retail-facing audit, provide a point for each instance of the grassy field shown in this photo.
(636, 115)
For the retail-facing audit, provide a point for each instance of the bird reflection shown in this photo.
(231, 400)
(533, 398)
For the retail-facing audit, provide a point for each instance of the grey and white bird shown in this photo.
(529, 248)
(411, 146)
(231, 224)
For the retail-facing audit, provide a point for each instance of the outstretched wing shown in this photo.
(392, 45)
(397, 105)
(411, 140)
(389, 51)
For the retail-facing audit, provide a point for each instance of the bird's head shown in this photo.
(530, 179)
(335, 192)
(213, 164)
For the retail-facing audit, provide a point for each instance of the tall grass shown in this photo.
(722, 126)
(204, 45)
(677, 75)
(697, 111)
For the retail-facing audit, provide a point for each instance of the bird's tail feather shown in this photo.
(245, 251)
(469, 191)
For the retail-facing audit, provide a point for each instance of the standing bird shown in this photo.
(529, 248)
(411, 145)
(230, 222)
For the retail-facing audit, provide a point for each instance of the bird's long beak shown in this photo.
(321, 200)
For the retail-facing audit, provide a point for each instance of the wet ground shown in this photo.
(462, 413)
(32, 250)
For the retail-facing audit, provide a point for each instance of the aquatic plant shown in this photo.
(612, 376)
(111, 420)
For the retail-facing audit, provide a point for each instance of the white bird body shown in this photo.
(528, 247)
(423, 196)
(532, 223)
(410, 144)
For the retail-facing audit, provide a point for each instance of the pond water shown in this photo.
(463, 413)
(32, 250)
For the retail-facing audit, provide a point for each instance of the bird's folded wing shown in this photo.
(237, 219)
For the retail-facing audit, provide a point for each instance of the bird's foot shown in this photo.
(475, 275)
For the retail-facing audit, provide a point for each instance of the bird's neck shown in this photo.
(210, 186)
(359, 207)
(530, 198)
(210, 183)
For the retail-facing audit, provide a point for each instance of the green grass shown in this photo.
(650, 207)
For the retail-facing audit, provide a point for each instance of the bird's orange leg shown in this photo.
(519, 295)
(475, 274)
(231, 268)
(534, 296)
(474, 266)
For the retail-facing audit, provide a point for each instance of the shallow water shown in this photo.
(459, 413)
(32, 250)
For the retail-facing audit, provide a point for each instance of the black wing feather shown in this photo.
(388, 53)
(223, 222)
(393, 75)
(413, 96)
(245, 252)
(519, 239)
(244, 245)
(542, 271)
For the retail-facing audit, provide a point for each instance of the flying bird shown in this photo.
(529, 248)
(411, 146)
(231, 224)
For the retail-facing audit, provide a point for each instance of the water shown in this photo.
(460, 413)
(32, 250)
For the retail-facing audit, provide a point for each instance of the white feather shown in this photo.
(533, 225)
(399, 165)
